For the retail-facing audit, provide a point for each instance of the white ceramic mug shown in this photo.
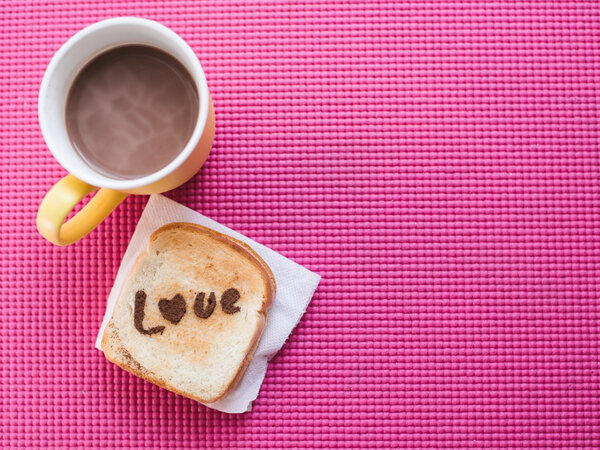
(82, 179)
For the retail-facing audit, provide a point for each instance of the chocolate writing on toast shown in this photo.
(173, 310)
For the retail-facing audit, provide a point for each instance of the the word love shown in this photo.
(174, 309)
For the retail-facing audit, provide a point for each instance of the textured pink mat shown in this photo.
(437, 162)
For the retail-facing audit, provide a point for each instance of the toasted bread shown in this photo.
(191, 313)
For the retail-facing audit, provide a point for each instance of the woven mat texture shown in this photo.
(436, 162)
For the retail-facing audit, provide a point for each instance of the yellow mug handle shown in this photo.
(62, 198)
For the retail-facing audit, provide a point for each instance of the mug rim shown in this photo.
(90, 175)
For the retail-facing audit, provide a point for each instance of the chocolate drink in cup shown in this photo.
(131, 111)
(124, 107)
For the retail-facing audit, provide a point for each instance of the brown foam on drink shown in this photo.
(131, 111)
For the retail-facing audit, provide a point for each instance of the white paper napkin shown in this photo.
(295, 288)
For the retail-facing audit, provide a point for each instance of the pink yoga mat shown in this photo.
(436, 162)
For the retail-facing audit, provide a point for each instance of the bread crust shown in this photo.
(116, 352)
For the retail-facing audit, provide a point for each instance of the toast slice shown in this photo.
(191, 313)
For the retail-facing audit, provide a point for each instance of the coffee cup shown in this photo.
(84, 178)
